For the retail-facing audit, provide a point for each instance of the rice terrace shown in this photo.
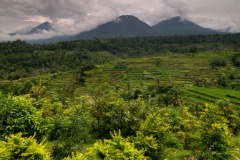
(119, 80)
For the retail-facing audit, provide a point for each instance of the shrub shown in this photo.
(22, 148)
(70, 131)
(236, 60)
(153, 133)
(214, 134)
(18, 115)
(113, 113)
(76, 156)
(218, 63)
(116, 148)
(222, 81)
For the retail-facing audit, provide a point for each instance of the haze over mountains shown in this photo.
(177, 26)
(46, 26)
(131, 26)
(123, 26)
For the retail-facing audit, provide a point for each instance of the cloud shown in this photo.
(217, 14)
(38, 19)
(74, 16)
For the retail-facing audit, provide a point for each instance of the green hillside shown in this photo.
(121, 99)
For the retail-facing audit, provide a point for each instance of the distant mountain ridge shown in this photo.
(123, 26)
(131, 26)
(177, 26)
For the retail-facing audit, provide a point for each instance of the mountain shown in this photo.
(44, 26)
(123, 26)
(130, 26)
(177, 26)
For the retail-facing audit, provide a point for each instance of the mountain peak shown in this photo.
(126, 18)
(131, 26)
(180, 26)
(44, 26)
(122, 26)
(46, 22)
(177, 18)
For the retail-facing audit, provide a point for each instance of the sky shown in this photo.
(74, 16)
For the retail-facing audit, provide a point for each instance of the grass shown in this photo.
(215, 94)
(177, 68)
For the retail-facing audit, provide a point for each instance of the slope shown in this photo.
(177, 26)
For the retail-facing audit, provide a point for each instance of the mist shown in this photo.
(75, 16)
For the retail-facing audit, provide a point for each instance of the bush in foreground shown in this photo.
(18, 147)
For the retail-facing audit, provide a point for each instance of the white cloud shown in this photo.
(74, 16)
(38, 19)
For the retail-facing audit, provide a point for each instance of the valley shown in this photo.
(172, 97)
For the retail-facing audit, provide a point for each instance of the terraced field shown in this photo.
(177, 69)
(182, 70)
(201, 94)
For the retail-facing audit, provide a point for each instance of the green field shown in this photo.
(213, 94)
(153, 97)
(181, 70)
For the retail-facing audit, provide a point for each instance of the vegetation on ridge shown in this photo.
(139, 98)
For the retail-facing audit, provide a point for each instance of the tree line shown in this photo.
(19, 59)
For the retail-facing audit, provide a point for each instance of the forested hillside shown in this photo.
(19, 59)
(125, 98)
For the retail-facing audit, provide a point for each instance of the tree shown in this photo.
(214, 134)
(231, 113)
(114, 113)
(38, 90)
(70, 131)
(18, 115)
(155, 131)
(236, 60)
(218, 63)
(193, 49)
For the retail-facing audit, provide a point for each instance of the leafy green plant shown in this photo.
(70, 131)
(148, 143)
(153, 133)
(23, 148)
(113, 113)
(18, 115)
(76, 156)
(214, 134)
(116, 148)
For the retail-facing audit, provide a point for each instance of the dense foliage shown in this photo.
(112, 118)
(19, 59)
(151, 132)
(19, 115)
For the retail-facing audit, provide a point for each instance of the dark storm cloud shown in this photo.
(73, 16)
